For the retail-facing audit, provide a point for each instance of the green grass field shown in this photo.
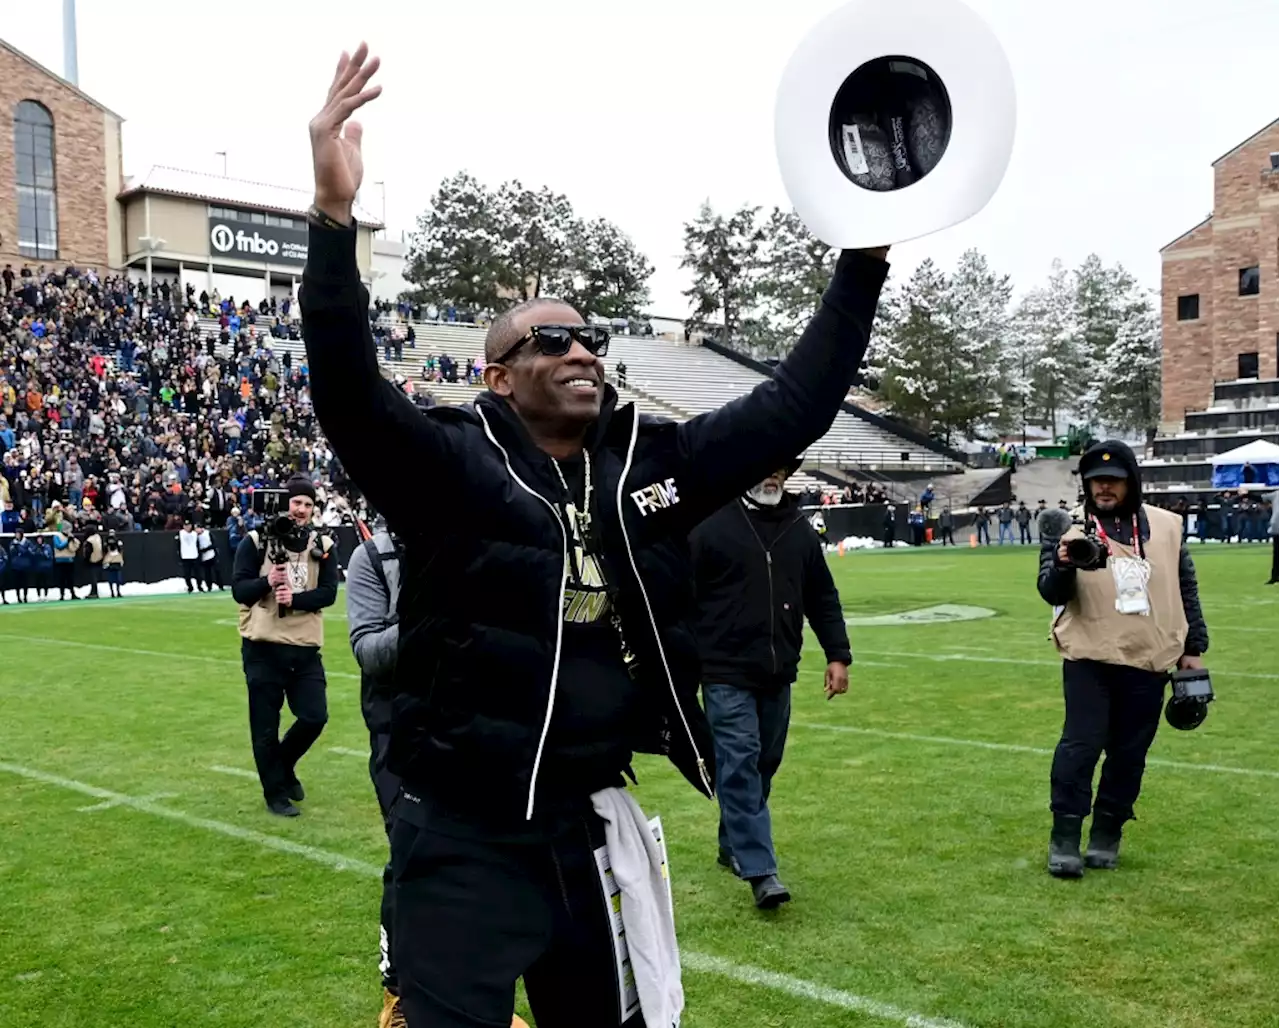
(141, 888)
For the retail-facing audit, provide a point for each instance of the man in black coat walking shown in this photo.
(544, 607)
(759, 571)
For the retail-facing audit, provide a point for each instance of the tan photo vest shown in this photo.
(263, 623)
(1090, 628)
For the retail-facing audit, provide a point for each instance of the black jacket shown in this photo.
(483, 574)
(1057, 582)
(758, 573)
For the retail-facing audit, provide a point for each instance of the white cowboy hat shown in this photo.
(894, 120)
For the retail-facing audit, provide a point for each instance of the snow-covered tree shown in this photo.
(1045, 340)
(722, 254)
(1130, 395)
(456, 254)
(1105, 299)
(915, 353)
(979, 308)
(793, 269)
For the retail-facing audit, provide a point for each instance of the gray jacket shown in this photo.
(373, 587)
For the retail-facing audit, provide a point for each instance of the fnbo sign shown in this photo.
(269, 244)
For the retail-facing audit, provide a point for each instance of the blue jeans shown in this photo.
(750, 732)
(1006, 530)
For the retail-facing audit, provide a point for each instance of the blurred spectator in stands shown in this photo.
(621, 372)
(448, 368)
(10, 518)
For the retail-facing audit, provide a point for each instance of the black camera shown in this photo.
(1188, 706)
(1087, 552)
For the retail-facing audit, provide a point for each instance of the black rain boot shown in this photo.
(1064, 847)
(1104, 841)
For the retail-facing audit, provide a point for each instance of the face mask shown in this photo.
(757, 494)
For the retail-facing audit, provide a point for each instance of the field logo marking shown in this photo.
(938, 614)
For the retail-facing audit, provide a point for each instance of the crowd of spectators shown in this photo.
(137, 409)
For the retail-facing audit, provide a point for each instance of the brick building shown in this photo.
(61, 168)
(1219, 284)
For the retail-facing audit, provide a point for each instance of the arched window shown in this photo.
(37, 190)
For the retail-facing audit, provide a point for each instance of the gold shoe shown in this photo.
(392, 1016)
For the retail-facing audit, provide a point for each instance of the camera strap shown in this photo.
(1137, 536)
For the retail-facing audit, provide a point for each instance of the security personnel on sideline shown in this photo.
(759, 571)
(373, 587)
(1120, 628)
(282, 585)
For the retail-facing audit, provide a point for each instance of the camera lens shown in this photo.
(1082, 553)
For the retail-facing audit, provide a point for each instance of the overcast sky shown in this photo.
(638, 111)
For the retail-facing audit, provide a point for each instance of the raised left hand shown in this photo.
(836, 680)
(1190, 663)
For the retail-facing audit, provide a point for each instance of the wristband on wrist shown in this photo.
(318, 217)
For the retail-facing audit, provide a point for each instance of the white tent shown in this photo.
(1255, 465)
(1257, 452)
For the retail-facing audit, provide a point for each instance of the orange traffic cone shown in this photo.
(973, 541)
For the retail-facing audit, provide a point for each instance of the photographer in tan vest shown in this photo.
(285, 574)
(1126, 611)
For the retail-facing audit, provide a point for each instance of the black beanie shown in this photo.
(300, 485)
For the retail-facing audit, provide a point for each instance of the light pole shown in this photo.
(223, 155)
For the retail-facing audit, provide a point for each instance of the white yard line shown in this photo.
(975, 658)
(235, 772)
(149, 806)
(1006, 747)
(802, 989)
(147, 653)
(700, 962)
(344, 751)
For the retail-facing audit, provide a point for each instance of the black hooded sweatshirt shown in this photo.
(759, 572)
(1057, 582)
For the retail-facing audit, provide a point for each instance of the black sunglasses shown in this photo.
(555, 340)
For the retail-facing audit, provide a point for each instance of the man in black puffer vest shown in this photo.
(544, 604)
(759, 571)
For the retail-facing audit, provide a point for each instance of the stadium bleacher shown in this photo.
(670, 380)
(1181, 462)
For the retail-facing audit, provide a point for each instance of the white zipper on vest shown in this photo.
(657, 638)
(564, 577)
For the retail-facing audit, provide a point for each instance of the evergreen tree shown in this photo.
(456, 256)
(606, 275)
(535, 228)
(978, 300)
(915, 353)
(1130, 394)
(722, 253)
(793, 271)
